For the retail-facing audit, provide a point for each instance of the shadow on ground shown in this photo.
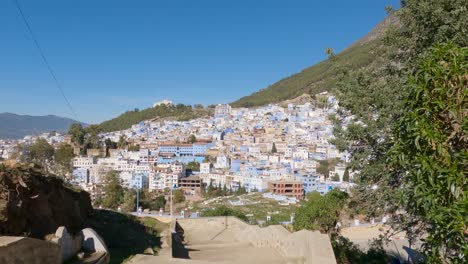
(126, 235)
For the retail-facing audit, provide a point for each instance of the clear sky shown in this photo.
(113, 55)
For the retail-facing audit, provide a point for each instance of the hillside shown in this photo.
(178, 112)
(322, 76)
(13, 126)
(35, 204)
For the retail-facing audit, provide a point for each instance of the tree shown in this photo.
(133, 147)
(122, 144)
(129, 201)
(63, 157)
(40, 152)
(210, 190)
(114, 192)
(431, 152)
(346, 175)
(92, 138)
(77, 133)
(241, 190)
(178, 195)
(329, 52)
(193, 166)
(336, 177)
(323, 168)
(321, 213)
(273, 148)
(152, 200)
(109, 145)
(192, 139)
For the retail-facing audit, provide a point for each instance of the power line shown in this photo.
(44, 59)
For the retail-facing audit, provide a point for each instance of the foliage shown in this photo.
(77, 133)
(122, 144)
(40, 152)
(376, 97)
(129, 201)
(133, 147)
(178, 195)
(63, 157)
(325, 166)
(321, 212)
(114, 193)
(273, 148)
(92, 137)
(193, 166)
(178, 112)
(335, 177)
(192, 139)
(431, 152)
(346, 175)
(225, 211)
(346, 252)
(152, 200)
(317, 78)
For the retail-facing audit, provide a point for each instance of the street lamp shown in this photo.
(173, 187)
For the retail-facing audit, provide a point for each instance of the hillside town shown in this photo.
(271, 149)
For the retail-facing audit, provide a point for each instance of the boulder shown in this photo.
(92, 242)
(69, 245)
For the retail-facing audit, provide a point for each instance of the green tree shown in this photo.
(129, 201)
(324, 168)
(40, 152)
(346, 175)
(63, 157)
(77, 133)
(241, 190)
(273, 148)
(321, 213)
(122, 144)
(193, 166)
(178, 195)
(210, 190)
(133, 147)
(192, 139)
(431, 153)
(329, 52)
(335, 177)
(92, 138)
(114, 193)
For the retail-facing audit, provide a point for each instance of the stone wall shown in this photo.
(28, 250)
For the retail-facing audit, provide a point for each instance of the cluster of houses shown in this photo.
(267, 149)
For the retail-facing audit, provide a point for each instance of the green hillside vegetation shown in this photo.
(323, 76)
(179, 112)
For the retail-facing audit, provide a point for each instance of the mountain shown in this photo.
(177, 112)
(322, 76)
(13, 126)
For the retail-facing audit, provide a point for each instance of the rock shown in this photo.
(28, 250)
(69, 245)
(36, 204)
(92, 242)
(148, 251)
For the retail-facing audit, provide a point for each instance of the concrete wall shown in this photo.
(306, 247)
(26, 250)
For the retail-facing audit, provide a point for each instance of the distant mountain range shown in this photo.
(13, 126)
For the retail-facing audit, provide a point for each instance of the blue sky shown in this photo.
(111, 56)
